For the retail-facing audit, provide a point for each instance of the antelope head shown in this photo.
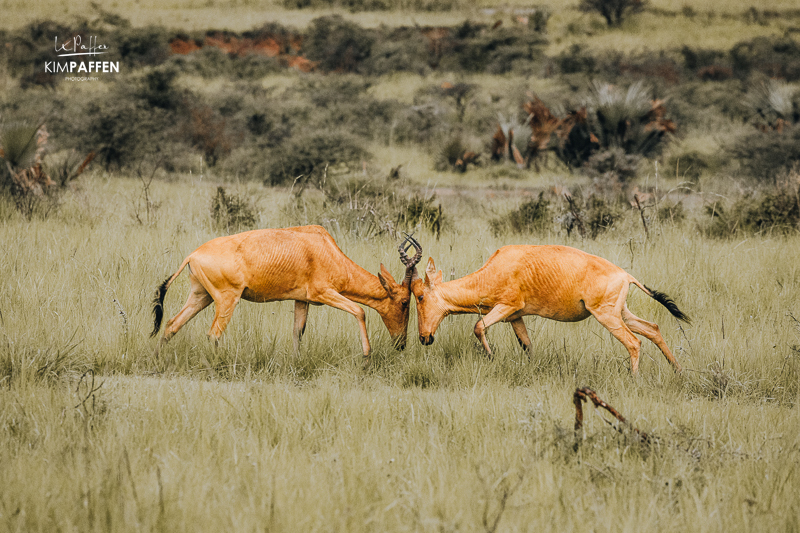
(396, 315)
(430, 306)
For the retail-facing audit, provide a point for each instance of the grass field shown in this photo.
(249, 438)
(98, 434)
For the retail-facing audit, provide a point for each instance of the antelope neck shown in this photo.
(365, 288)
(463, 295)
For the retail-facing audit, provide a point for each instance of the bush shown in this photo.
(614, 11)
(671, 212)
(398, 50)
(593, 216)
(531, 217)
(774, 211)
(767, 155)
(691, 165)
(628, 119)
(775, 57)
(230, 213)
(307, 155)
(612, 168)
(337, 44)
(476, 48)
(417, 211)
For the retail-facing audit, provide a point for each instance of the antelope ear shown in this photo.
(386, 279)
(430, 272)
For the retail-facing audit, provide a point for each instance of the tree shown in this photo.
(614, 11)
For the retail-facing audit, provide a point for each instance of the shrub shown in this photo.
(614, 11)
(208, 133)
(776, 57)
(531, 217)
(307, 155)
(671, 212)
(774, 104)
(398, 50)
(628, 119)
(773, 211)
(691, 165)
(417, 211)
(767, 155)
(476, 48)
(337, 44)
(592, 216)
(612, 167)
(230, 213)
(138, 47)
(577, 59)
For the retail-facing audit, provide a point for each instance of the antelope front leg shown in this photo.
(334, 299)
(498, 313)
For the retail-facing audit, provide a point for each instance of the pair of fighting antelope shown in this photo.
(304, 264)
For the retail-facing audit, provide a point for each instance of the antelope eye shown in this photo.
(419, 299)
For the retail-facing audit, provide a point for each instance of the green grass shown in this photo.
(248, 437)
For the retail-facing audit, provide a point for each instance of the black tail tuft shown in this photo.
(158, 306)
(669, 303)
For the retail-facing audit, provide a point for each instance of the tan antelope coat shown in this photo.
(556, 282)
(303, 264)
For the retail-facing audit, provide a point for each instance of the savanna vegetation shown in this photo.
(662, 136)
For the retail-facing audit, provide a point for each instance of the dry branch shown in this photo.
(584, 394)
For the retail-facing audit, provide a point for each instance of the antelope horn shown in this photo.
(410, 263)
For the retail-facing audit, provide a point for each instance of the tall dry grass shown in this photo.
(248, 437)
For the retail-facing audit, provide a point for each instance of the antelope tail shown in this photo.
(158, 299)
(664, 300)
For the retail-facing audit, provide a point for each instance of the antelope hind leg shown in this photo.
(522, 334)
(651, 332)
(198, 300)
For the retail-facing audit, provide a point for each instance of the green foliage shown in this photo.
(450, 153)
(773, 101)
(337, 44)
(418, 211)
(230, 213)
(307, 155)
(18, 142)
(590, 217)
(775, 57)
(476, 48)
(398, 50)
(767, 155)
(775, 211)
(622, 118)
(674, 213)
(612, 166)
(691, 165)
(613, 11)
(532, 216)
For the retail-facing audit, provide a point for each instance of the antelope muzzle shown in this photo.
(426, 340)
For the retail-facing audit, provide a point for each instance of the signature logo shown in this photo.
(75, 47)
(78, 46)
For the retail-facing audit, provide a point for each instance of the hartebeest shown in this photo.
(556, 282)
(303, 264)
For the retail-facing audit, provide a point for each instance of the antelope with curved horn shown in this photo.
(303, 264)
(556, 282)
